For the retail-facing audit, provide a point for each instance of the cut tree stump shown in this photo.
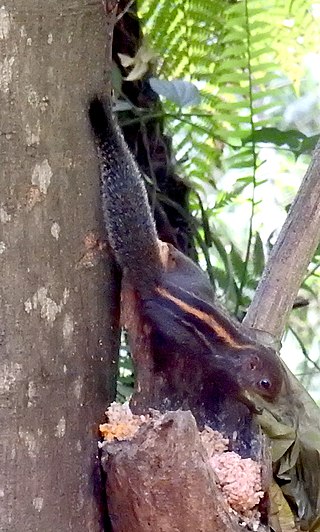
(161, 480)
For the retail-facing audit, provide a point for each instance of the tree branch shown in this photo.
(289, 259)
(294, 421)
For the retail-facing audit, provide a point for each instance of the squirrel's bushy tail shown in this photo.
(130, 224)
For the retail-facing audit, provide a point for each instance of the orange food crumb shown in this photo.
(121, 431)
(122, 423)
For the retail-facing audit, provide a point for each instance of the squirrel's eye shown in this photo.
(265, 383)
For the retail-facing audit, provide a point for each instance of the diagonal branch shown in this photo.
(294, 422)
(289, 259)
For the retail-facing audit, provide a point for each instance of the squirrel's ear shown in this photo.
(129, 221)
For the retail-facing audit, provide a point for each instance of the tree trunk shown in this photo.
(58, 305)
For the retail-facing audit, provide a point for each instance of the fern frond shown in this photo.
(238, 55)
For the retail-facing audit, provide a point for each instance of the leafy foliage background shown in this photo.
(258, 103)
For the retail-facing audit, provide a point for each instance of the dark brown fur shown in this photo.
(177, 330)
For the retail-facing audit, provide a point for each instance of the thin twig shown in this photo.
(303, 349)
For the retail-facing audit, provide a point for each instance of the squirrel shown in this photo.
(174, 299)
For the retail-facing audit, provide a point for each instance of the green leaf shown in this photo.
(237, 263)
(258, 256)
(308, 144)
(272, 135)
(123, 392)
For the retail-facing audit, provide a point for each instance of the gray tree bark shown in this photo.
(58, 304)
